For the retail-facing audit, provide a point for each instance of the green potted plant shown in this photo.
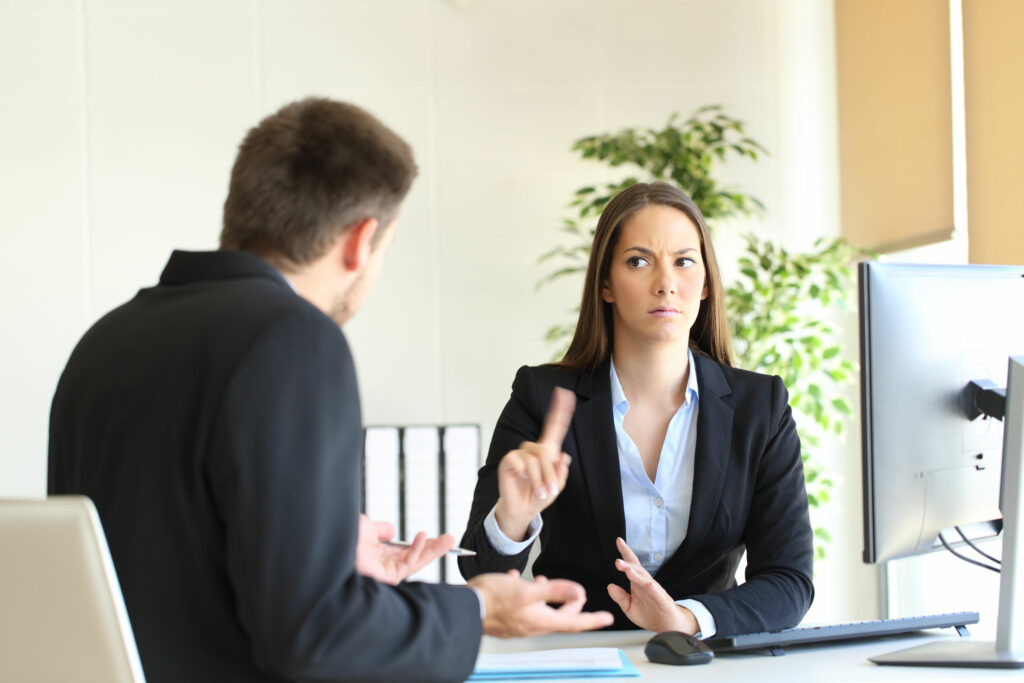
(778, 306)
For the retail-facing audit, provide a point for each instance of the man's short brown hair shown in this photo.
(308, 172)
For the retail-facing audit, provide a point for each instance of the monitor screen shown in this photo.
(925, 332)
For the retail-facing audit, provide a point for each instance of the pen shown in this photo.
(461, 552)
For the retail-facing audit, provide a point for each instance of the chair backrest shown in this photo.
(62, 617)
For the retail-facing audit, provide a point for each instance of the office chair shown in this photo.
(62, 617)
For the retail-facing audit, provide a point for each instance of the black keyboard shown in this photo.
(775, 640)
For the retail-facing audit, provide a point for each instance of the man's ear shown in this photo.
(356, 243)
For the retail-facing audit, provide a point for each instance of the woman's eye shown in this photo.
(686, 262)
(636, 261)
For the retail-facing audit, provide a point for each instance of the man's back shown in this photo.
(214, 420)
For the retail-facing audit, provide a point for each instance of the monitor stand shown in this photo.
(1007, 652)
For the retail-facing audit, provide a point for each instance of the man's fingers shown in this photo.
(556, 590)
(520, 608)
(572, 606)
(435, 548)
(570, 617)
(385, 530)
(418, 543)
(444, 543)
(572, 622)
(559, 416)
(421, 552)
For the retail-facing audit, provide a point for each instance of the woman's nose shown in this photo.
(666, 284)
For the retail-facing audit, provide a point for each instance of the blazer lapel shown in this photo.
(598, 457)
(714, 441)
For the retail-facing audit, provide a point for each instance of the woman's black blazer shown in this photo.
(748, 494)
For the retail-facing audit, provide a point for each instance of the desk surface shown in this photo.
(804, 664)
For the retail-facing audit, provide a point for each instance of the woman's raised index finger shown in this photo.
(556, 423)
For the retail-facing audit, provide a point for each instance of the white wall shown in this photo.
(119, 120)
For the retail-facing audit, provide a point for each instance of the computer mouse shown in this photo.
(675, 647)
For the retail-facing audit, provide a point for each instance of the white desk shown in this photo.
(805, 664)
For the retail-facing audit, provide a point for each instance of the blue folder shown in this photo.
(626, 670)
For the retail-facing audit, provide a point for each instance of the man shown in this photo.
(214, 420)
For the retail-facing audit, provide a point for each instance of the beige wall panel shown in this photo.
(994, 103)
(895, 122)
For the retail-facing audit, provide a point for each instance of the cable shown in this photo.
(965, 558)
(976, 548)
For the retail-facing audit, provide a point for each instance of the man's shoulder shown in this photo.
(284, 326)
(247, 301)
(215, 322)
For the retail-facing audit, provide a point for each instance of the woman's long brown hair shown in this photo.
(592, 342)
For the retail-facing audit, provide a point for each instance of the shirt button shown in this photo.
(658, 556)
(659, 502)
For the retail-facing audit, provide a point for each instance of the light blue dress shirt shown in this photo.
(657, 513)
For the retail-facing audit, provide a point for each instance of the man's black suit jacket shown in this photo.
(214, 420)
(748, 493)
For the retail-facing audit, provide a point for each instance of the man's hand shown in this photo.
(532, 476)
(520, 608)
(648, 605)
(390, 564)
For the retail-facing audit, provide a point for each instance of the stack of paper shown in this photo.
(584, 662)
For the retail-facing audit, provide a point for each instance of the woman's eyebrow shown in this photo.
(646, 251)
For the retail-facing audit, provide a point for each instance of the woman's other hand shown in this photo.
(647, 604)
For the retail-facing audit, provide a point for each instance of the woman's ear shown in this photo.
(704, 292)
(606, 293)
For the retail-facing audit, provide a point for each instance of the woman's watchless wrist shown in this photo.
(514, 528)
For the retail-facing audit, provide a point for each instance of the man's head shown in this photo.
(308, 173)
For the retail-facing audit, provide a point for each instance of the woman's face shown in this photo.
(657, 276)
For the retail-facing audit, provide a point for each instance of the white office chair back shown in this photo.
(62, 617)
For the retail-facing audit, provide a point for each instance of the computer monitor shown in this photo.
(926, 332)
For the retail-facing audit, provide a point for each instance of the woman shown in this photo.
(679, 462)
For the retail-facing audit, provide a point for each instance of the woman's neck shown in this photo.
(652, 372)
